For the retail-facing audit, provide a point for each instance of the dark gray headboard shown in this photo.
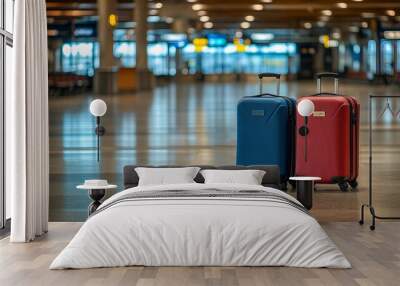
(271, 177)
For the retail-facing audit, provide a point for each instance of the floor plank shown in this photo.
(375, 257)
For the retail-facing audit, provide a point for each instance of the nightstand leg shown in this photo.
(96, 196)
(305, 190)
(93, 207)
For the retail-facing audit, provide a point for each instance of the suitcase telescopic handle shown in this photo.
(274, 75)
(327, 74)
(333, 75)
(269, 74)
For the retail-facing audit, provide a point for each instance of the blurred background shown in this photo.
(172, 72)
(224, 39)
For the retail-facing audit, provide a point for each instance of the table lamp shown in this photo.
(98, 108)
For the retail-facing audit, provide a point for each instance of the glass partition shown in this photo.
(387, 57)
(372, 57)
(397, 56)
(83, 58)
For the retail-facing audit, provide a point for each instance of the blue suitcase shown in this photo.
(266, 130)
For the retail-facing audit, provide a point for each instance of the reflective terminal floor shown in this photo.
(195, 123)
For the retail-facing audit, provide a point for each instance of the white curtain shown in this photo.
(27, 124)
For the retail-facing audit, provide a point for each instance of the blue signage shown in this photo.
(216, 40)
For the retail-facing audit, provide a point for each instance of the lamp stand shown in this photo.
(304, 132)
(99, 131)
(305, 138)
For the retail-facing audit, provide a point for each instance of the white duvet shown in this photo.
(206, 231)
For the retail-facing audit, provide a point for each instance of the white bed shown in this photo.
(185, 230)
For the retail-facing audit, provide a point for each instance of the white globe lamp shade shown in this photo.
(305, 107)
(98, 107)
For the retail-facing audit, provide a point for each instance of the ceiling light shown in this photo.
(208, 25)
(326, 12)
(257, 7)
(260, 37)
(358, 0)
(169, 20)
(191, 1)
(266, 1)
(320, 24)
(153, 12)
(204, 18)
(249, 18)
(364, 25)
(341, 5)
(391, 13)
(245, 25)
(197, 7)
(158, 5)
(391, 35)
(307, 25)
(201, 13)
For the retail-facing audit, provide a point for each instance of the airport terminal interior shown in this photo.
(172, 73)
(199, 70)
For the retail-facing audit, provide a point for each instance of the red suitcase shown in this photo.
(329, 148)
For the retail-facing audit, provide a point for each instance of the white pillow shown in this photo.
(248, 177)
(165, 176)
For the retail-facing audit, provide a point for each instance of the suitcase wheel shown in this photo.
(344, 187)
(353, 184)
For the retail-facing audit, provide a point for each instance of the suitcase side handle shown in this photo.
(333, 75)
(274, 75)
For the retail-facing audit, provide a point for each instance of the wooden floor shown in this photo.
(375, 257)
(189, 123)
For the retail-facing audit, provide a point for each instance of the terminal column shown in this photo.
(106, 74)
(144, 78)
